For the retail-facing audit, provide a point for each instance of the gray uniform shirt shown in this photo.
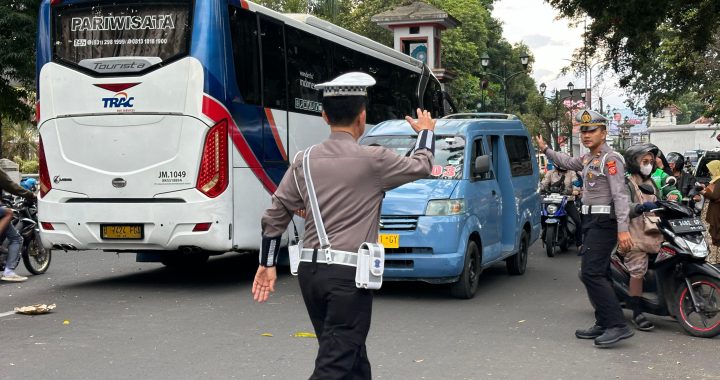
(350, 181)
(600, 186)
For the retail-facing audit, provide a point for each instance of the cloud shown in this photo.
(537, 41)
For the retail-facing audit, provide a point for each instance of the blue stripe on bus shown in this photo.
(211, 45)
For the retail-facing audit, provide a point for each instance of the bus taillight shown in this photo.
(37, 113)
(45, 184)
(213, 175)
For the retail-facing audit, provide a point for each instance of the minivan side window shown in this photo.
(477, 151)
(518, 152)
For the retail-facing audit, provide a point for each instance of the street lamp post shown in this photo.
(556, 99)
(505, 78)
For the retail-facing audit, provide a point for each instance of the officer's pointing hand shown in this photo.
(264, 283)
(541, 143)
(424, 121)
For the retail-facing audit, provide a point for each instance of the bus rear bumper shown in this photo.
(165, 226)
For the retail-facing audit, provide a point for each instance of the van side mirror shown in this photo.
(482, 165)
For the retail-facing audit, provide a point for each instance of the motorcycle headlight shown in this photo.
(552, 209)
(442, 207)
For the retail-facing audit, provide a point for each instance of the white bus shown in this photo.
(165, 125)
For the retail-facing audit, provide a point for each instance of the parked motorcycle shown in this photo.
(35, 257)
(678, 283)
(558, 227)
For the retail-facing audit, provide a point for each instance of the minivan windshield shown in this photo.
(449, 152)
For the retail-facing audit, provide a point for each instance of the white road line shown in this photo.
(7, 313)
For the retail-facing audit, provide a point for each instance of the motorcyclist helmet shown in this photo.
(634, 153)
(677, 159)
(29, 184)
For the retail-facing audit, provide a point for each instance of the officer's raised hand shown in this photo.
(541, 143)
(424, 121)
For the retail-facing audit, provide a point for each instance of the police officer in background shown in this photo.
(349, 181)
(604, 213)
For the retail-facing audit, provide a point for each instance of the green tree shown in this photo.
(18, 25)
(662, 49)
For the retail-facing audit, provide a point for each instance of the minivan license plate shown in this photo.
(389, 240)
(122, 231)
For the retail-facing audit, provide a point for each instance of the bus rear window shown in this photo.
(114, 37)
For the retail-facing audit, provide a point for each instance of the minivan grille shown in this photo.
(398, 223)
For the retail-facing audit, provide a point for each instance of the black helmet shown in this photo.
(636, 151)
(677, 159)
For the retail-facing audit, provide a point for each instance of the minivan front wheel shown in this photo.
(517, 263)
(466, 287)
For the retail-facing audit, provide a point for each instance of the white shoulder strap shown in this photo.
(295, 176)
(319, 226)
(602, 163)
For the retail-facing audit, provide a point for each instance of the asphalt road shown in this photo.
(117, 319)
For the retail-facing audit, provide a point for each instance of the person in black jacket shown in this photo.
(685, 180)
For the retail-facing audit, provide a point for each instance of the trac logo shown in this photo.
(120, 100)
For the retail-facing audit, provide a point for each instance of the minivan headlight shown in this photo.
(441, 207)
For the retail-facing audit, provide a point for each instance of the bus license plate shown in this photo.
(122, 231)
(390, 240)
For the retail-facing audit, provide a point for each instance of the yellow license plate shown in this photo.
(389, 240)
(122, 231)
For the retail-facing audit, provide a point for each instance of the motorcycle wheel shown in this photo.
(564, 240)
(35, 257)
(706, 323)
(550, 240)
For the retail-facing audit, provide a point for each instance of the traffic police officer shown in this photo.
(349, 181)
(605, 212)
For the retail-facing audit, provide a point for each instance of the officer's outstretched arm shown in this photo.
(395, 170)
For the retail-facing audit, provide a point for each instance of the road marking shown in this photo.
(7, 313)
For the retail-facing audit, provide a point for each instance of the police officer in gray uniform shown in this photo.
(604, 213)
(349, 181)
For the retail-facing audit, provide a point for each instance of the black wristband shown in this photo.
(426, 140)
(269, 251)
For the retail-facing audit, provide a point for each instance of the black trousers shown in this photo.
(340, 314)
(595, 269)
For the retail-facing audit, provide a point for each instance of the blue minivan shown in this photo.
(480, 205)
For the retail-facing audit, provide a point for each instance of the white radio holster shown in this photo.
(370, 266)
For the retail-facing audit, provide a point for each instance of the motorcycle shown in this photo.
(35, 257)
(678, 283)
(558, 227)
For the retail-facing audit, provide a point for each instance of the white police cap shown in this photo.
(350, 84)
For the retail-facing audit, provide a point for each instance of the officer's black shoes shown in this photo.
(613, 335)
(642, 323)
(590, 333)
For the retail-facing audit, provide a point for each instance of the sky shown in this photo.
(552, 41)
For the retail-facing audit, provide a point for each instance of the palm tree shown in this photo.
(20, 139)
